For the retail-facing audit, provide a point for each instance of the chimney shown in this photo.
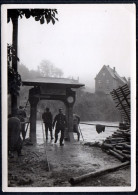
(114, 69)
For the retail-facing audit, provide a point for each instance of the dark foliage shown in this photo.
(14, 78)
(95, 107)
(11, 54)
(41, 15)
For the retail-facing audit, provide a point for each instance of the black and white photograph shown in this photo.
(68, 97)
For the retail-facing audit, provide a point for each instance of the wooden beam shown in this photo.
(91, 175)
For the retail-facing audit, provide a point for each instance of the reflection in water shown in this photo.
(88, 131)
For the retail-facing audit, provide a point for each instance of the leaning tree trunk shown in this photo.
(75, 180)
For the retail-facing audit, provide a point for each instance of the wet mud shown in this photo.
(55, 166)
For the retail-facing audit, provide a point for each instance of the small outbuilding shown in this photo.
(49, 88)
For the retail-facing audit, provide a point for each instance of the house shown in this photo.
(108, 79)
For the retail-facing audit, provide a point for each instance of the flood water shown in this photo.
(89, 132)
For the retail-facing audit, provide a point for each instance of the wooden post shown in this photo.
(70, 122)
(70, 100)
(33, 116)
(69, 116)
(15, 41)
(66, 134)
(14, 60)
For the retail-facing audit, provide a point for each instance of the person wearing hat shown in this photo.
(47, 119)
(61, 123)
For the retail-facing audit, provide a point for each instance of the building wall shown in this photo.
(115, 84)
(120, 83)
(108, 79)
(104, 82)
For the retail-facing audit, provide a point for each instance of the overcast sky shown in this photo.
(85, 38)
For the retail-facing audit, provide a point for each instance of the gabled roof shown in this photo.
(111, 71)
(125, 79)
(114, 74)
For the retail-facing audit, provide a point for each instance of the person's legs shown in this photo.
(56, 135)
(46, 131)
(19, 147)
(78, 136)
(50, 129)
(51, 133)
(62, 137)
(76, 130)
(10, 147)
(78, 133)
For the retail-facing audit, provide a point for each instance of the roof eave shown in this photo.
(27, 83)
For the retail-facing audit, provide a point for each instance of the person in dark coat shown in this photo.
(14, 139)
(47, 119)
(21, 114)
(61, 124)
(76, 121)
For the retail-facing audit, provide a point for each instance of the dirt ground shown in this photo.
(70, 160)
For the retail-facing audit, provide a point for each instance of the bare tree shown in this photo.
(47, 69)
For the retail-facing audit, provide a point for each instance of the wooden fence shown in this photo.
(121, 97)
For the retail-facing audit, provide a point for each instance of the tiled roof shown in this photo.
(115, 75)
(51, 80)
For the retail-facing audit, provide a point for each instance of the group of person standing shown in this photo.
(16, 128)
(60, 123)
